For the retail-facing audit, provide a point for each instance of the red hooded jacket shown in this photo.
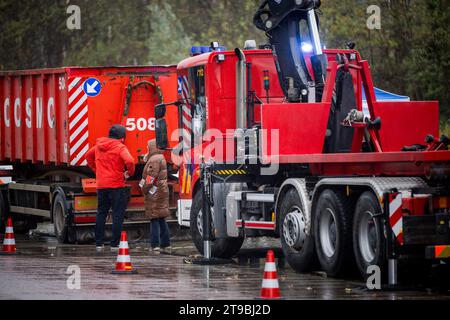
(108, 160)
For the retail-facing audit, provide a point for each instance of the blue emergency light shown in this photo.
(196, 50)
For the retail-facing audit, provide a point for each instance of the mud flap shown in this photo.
(220, 217)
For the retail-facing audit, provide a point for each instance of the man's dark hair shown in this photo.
(117, 132)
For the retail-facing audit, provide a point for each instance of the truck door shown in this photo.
(193, 109)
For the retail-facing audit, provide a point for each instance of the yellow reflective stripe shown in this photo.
(229, 172)
(188, 184)
(183, 182)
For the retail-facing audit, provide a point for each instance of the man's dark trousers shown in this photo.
(117, 200)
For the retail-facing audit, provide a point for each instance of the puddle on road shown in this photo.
(166, 276)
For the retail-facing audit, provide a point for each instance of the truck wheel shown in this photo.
(298, 246)
(60, 219)
(220, 248)
(333, 233)
(368, 235)
(22, 226)
(72, 235)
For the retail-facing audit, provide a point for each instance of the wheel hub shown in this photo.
(328, 232)
(294, 229)
(367, 237)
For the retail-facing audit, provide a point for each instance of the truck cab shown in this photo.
(207, 111)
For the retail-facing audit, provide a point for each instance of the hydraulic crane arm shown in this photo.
(284, 22)
(290, 25)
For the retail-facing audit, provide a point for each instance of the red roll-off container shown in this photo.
(54, 116)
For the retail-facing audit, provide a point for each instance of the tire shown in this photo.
(72, 235)
(23, 224)
(333, 233)
(369, 242)
(298, 247)
(220, 248)
(61, 219)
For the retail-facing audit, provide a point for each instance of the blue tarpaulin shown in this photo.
(382, 95)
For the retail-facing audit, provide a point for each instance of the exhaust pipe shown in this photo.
(241, 114)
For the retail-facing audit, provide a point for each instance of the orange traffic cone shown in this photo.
(123, 264)
(9, 243)
(270, 288)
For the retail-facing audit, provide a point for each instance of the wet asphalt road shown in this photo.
(40, 272)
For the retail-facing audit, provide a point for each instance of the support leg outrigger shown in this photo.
(207, 203)
(206, 208)
(391, 245)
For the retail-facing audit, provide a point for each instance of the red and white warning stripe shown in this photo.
(186, 114)
(270, 288)
(123, 263)
(78, 122)
(185, 88)
(9, 243)
(124, 245)
(187, 126)
(396, 215)
(9, 230)
(260, 225)
(270, 280)
(123, 258)
(9, 236)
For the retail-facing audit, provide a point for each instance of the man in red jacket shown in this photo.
(108, 159)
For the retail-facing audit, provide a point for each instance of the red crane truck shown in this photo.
(291, 155)
(49, 120)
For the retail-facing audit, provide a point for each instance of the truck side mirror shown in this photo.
(160, 111)
(162, 141)
(161, 126)
(161, 134)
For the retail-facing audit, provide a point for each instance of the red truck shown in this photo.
(291, 155)
(49, 120)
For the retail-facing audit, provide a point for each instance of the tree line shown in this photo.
(409, 54)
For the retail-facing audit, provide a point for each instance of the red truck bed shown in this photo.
(369, 164)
